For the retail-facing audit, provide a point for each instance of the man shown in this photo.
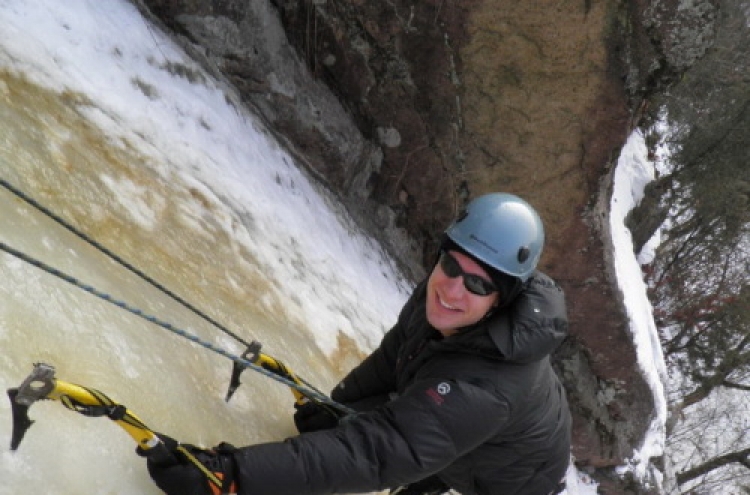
(459, 395)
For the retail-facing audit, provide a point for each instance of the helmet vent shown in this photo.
(523, 254)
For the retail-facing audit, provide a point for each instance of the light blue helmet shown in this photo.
(503, 231)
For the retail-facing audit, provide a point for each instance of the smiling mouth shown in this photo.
(445, 304)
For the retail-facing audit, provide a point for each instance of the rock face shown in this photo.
(407, 109)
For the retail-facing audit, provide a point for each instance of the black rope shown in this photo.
(118, 259)
(307, 392)
(93, 242)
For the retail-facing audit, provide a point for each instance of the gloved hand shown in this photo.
(313, 417)
(175, 469)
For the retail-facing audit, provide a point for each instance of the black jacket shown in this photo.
(482, 409)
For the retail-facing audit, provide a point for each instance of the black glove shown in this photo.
(313, 417)
(428, 486)
(174, 468)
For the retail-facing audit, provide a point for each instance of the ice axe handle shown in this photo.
(160, 453)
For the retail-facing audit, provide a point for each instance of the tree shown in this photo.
(699, 281)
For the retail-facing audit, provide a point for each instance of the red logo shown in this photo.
(437, 393)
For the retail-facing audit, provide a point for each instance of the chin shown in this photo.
(440, 324)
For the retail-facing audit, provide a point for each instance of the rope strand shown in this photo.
(20, 194)
(308, 392)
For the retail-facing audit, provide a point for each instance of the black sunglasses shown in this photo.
(473, 283)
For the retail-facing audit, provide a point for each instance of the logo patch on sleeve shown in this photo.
(437, 394)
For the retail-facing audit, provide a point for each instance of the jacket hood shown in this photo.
(534, 325)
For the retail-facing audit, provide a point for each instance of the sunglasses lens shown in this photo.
(450, 266)
(473, 283)
(477, 285)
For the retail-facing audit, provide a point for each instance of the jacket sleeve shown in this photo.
(537, 322)
(416, 435)
(374, 376)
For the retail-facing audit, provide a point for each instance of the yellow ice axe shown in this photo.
(41, 384)
(253, 355)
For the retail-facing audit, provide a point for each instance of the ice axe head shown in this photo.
(35, 387)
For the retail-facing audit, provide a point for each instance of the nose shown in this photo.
(453, 286)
